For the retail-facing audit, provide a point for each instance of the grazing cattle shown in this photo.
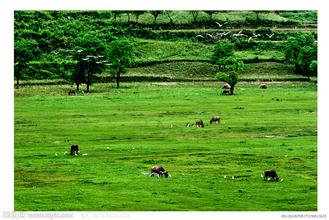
(74, 149)
(226, 86)
(263, 86)
(226, 92)
(271, 175)
(215, 119)
(72, 91)
(199, 123)
(159, 171)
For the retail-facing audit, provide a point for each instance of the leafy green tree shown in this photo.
(168, 13)
(229, 67)
(155, 15)
(137, 14)
(90, 56)
(116, 14)
(195, 15)
(222, 49)
(210, 13)
(314, 66)
(121, 57)
(258, 12)
(25, 51)
(306, 57)
(301, 50)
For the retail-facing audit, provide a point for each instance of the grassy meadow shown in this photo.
(126, 131)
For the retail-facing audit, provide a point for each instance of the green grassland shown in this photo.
(126, 131)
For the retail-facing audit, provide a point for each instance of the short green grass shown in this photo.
(156, 50)
(264, 71)
(126, 131)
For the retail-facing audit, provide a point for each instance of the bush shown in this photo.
(244, 44)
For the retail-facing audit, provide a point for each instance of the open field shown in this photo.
(126, 131)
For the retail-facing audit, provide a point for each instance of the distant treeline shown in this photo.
(48, 32)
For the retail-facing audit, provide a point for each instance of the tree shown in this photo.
(258, 12)
(25, 51)
(301, 50)
(194, 15)
(229, 66)
(222, 49)
(121, 57)
(306, 60)
(128, 15)
(115, 14)
(89, 54)
(168, 13)
(155, 14)
(210, 13)
(137, 14)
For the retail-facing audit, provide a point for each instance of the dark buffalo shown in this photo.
(226, 92)
(74, 149)
(199, 123)
(226, 86)
(215, 119)
(159, 171)
(271, 174)
(263, 86)
(72, 91)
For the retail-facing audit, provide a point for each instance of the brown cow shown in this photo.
(215, 119)
(271, 175)
(199, 123)
(159, 171)
(74, 149)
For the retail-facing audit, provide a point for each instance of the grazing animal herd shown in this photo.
(199, 122)
(159, 171)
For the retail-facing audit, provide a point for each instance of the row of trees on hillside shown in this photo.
(300, 51)
(90, 56)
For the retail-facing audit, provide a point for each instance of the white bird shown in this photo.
(270, 35)
(232, 177)
(219, 25)
(84, 154)
(211, 36)
(256, 35)
(239, 34)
